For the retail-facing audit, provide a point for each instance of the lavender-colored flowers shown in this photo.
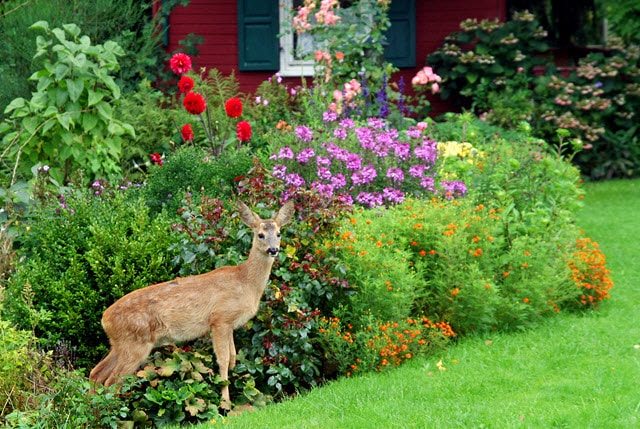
(372, 165)
(304, 134)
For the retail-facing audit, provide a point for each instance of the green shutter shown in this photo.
(258, 27)
(401, 36)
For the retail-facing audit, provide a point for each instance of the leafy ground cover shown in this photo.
(571, 371)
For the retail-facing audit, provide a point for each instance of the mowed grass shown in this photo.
(572, 371)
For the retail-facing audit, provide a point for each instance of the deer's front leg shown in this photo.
(221, 347)
(232, 352)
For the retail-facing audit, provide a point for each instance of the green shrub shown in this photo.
(487, 53)
(177, 385)
(127, 22)
(80, 254)
(19, 364)
(67, 402)
(598, 103)
(190, 170)
(68, 123)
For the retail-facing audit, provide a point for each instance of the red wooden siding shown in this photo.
(217, 22)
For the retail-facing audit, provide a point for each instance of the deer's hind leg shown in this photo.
(130, 357)
(103, 370)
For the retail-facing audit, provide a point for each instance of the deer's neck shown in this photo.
(257, 269)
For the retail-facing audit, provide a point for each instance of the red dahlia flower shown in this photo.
(156, 158)
(185, 84)
(233, 107)
(187, 133)
(180, 63)
(194, 103)
(243, 131)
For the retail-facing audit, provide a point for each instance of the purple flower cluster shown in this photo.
(370, 164)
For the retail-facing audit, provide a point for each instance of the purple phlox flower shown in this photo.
(329, 116)
(280, 171)
(336, 151)
(417, 170)
(339, 181)
(354, 162)
(340, 133)
(396, 174)
(285, 153)
(365, 137)
(294, 179)
(454, 189)
(323, 161)
(414, 132)
(347, 123)
(377, 123)
(364, 176)
(373, 199)
(305, 155)
(304, 133)
(598, 85)
(402, 150)
(427, 151)
(345, 198)
(392, 195)
(324, 189)
(428, 183)
(324, 173)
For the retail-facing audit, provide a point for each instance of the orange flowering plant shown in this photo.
(502, 257)
(378, 346)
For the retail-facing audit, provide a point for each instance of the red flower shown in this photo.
(187, 133)
(243, 131)
(233, 107)
(155, 157)
(180, 63)
(185, 84)
(194, 103)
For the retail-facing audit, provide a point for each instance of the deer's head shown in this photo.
(266, 232)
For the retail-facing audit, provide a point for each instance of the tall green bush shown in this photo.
(80, 254)
(69, 122)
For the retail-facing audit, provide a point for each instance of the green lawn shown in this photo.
(573, 371)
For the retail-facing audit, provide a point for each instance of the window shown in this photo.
(294, 48)
(259, 48)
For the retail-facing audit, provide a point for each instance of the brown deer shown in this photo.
(187, 308)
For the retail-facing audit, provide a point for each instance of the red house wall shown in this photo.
(217, 22)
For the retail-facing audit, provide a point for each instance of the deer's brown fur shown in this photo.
(187, 308)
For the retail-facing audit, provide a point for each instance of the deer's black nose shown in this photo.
(273, 251)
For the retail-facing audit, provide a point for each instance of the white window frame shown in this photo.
(290, 66)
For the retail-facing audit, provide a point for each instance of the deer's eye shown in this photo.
(278, 235)
(261, 236)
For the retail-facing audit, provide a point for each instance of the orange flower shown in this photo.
(455, 291)
(423, 252)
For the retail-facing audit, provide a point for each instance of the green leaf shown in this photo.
(72, 29)
(40, 25)
(62, 70)
(61, 96)
(64, 120)
(89, 121)
(112, 85)
(94, 96)
(17, 103)
(74, 87)
(471, 77)
(105, 111)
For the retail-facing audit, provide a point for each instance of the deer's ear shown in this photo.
(248, 217)
(285, 213)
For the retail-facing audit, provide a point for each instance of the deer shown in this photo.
(190, 307)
